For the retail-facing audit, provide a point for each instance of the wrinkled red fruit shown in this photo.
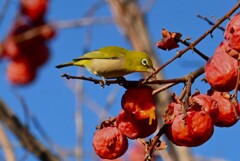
(227, 115)
(20, 72)
(232, 32)
(34, 9)
(206, 103)
(221, 70)
(109, 143)
(193, 129)
(139, 102)
(167, 43)
(173, 110)
(169, 40)
(133, 128)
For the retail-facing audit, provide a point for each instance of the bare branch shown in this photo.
(87, 21)
(210, 22)
(179, 54)
(24, 136)
(6, 145)
(4, 10)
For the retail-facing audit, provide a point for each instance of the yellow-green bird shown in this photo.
(113, 62)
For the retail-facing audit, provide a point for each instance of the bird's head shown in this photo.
(140, 62)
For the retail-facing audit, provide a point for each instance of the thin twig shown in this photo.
(179, 54)
(184, 42)
(155, 141)
(28, 141)
(189, 77)
(30, 117)
(4, 10)
(86, 21)
(122, 82)
(210, 22)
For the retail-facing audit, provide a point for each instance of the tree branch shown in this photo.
(6, 145)
(27, 140)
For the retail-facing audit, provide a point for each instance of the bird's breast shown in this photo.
(108, 68)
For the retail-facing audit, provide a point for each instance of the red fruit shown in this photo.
(169, 40)
(10, 48)
(193, 129)
(34, 9)
(133, 128)
(139, 102)
(20, 72)
(109, 143)
(227, 115)
(221, 70)
(23, 43)
(206, 103)
(173, 110)
(232, 32)
(40, 54)
(167, 43)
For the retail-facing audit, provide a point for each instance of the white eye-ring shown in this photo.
(144, 62)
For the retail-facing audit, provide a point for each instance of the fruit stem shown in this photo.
(155, 142)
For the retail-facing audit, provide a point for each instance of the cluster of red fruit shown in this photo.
(222, 69)
(190, 122)
(137, 119)
(194, 125)
(25, 45)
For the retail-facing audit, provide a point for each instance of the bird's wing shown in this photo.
(111, 52)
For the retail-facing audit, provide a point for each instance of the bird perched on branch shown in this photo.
(113, 62)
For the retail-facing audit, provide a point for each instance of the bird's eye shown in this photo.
(144, 62)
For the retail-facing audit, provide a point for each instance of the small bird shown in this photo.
(113, 62)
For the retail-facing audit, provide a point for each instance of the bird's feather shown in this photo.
(103, 53)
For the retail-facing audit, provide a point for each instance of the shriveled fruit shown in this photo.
(227, 115)
(20, 72)
(193, 129)
(206, 103)
(232, 32)
(134, 128)
(221, 70)
(173, 110)
(169, 40)
(109, 143)
(139, 102)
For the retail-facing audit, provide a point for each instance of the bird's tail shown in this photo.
(65, 65)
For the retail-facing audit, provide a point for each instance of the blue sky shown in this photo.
(53, 100)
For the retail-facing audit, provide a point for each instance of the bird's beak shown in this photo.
(151, 70)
